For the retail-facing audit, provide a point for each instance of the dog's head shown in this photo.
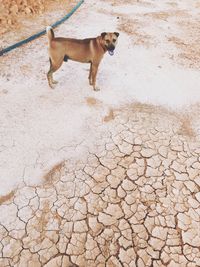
(109, 41)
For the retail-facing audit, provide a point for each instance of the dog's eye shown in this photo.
(107, 41)
(114, 40)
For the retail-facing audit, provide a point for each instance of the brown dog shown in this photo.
(89, 50)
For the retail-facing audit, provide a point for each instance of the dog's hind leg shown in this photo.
(50, 75)
(53, 68)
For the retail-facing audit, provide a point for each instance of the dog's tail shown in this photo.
(50, 33)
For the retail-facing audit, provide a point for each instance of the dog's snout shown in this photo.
(111, 47)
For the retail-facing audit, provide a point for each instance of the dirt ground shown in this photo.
(15, 13)
(108, 178)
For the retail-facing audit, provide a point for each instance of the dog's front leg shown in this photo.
(94, 75)
(90, 74)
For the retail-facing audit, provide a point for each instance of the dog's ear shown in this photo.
(116, 33)
(103, 34)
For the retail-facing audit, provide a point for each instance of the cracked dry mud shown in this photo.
(133, 200)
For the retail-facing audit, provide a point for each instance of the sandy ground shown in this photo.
(24, 25)
(107, 178)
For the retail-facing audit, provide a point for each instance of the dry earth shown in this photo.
(21, 18)
(133, 200)
(126, 192)
(14, 13)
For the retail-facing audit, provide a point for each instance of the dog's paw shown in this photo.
(51, 86)
(96, 88)
(54, 82)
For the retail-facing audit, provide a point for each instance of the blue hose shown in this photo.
(34, 36)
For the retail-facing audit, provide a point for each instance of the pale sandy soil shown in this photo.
(109, 178)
